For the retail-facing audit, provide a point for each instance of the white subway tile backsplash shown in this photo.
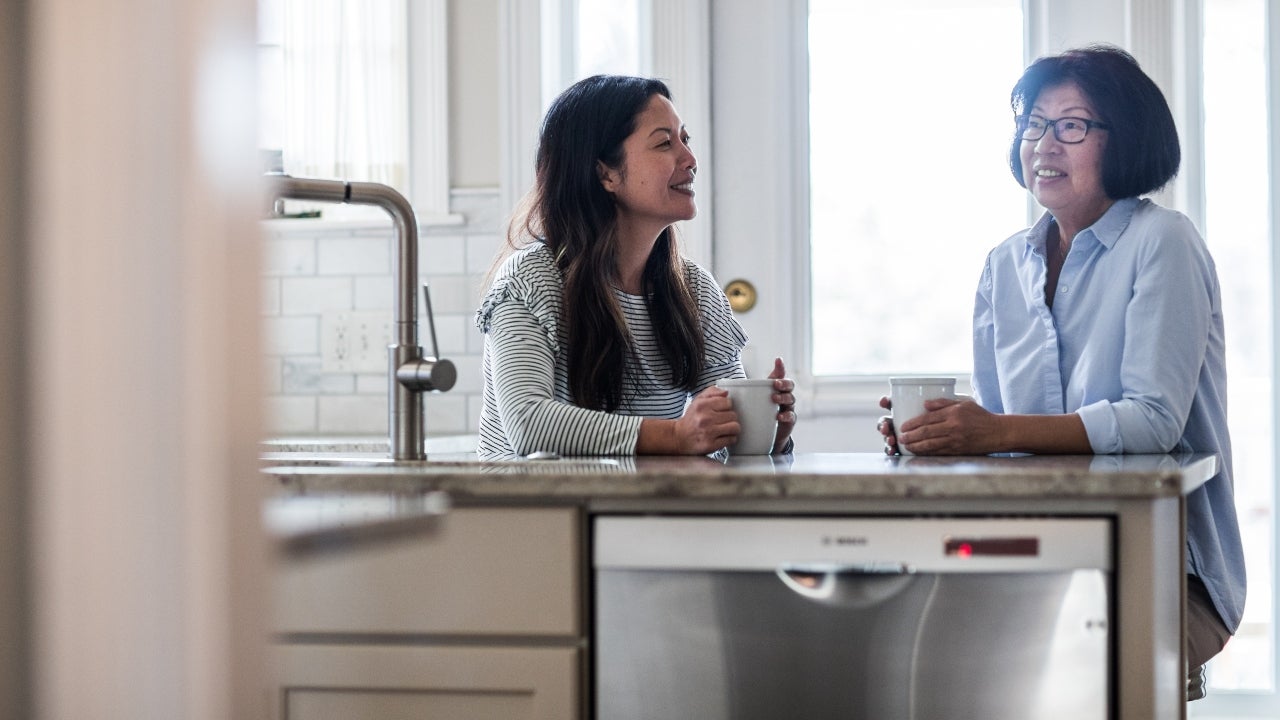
(271, 371)
(375, 292)
(475, 403)
(441, 255)
(271, 296)
(446, 414)
(289, 256)
(450, 333)
(291, 335)
(290, 414)
(481, 252)
(371, 384)
(305, 377)
(366, 255)
(305, 295)
(470, 378)
(353, 414)
(475, 338)
(451, 294)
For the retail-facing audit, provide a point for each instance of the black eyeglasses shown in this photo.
(1070, 130)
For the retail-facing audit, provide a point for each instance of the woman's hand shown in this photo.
(885, 427)
(784, 396)
(963, 427)
(708, 424)
(952, 427)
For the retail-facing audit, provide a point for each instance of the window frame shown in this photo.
(1245, 704)
(538, 61)
(428, 189)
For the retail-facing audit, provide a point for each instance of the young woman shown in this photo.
(600, 339)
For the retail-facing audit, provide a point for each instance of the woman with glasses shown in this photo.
(1100, 329)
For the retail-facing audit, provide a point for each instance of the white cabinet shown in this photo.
(389, 682)
(480, 620)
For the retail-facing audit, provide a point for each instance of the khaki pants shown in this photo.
(1206, 633)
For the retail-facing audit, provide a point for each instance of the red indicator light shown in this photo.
(983, 546)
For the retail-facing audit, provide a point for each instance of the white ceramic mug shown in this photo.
(757, 414)
(908, 395)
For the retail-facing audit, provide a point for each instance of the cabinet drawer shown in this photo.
(488, 571)
(459, 683)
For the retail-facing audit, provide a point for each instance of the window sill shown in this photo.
(855, 395)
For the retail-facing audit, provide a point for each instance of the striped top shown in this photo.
(527, 405)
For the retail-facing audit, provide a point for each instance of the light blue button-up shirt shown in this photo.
(1134, 345)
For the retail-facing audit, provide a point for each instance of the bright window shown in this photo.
(582, 38)
(1238, 234)
(608, 38)
(910, 128)
(342, 86)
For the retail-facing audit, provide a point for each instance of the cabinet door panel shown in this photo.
(488, 571)
(320, 682)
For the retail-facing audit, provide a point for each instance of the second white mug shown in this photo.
(908, 395)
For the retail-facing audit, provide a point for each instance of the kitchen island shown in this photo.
(514, 578)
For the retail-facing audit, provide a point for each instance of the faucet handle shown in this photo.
(431, 320)
(421, 374)
(427, 374)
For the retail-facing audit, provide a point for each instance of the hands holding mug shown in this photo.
(764, 411)
(928, 418)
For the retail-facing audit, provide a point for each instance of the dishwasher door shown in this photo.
(816, 618)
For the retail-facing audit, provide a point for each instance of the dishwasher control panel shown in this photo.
(915, 544)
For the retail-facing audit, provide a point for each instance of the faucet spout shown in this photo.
(410, 373)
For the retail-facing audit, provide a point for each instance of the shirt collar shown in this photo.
(1106, 230)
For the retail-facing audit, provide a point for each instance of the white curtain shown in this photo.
(347, 90)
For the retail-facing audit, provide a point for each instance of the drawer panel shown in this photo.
(319, 682)
(489, 571)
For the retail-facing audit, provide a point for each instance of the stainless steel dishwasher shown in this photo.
(739, 618)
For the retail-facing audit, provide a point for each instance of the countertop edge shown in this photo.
(1117, 477)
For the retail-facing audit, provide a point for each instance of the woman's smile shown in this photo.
(1066, 177)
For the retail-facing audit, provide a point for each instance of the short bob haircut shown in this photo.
(1142, 152)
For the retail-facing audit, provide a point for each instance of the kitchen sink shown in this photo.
(362, 452)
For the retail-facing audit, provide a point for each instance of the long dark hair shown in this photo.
(1142, 152)
(570, 211)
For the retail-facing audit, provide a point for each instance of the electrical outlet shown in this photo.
(354, 341)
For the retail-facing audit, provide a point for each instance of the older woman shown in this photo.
(1099, 329)
(600, 338)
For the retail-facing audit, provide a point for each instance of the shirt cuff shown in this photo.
(1101, 426)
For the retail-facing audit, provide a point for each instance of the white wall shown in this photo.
(473, 93)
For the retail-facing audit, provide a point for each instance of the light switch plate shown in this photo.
(354, 341)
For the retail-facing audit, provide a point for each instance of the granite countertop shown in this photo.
(804, 475)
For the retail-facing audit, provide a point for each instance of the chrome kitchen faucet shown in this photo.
(409, 373)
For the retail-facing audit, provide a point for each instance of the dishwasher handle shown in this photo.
(856, 584)
(885, 567)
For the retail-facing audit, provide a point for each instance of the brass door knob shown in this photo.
(742, 295)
